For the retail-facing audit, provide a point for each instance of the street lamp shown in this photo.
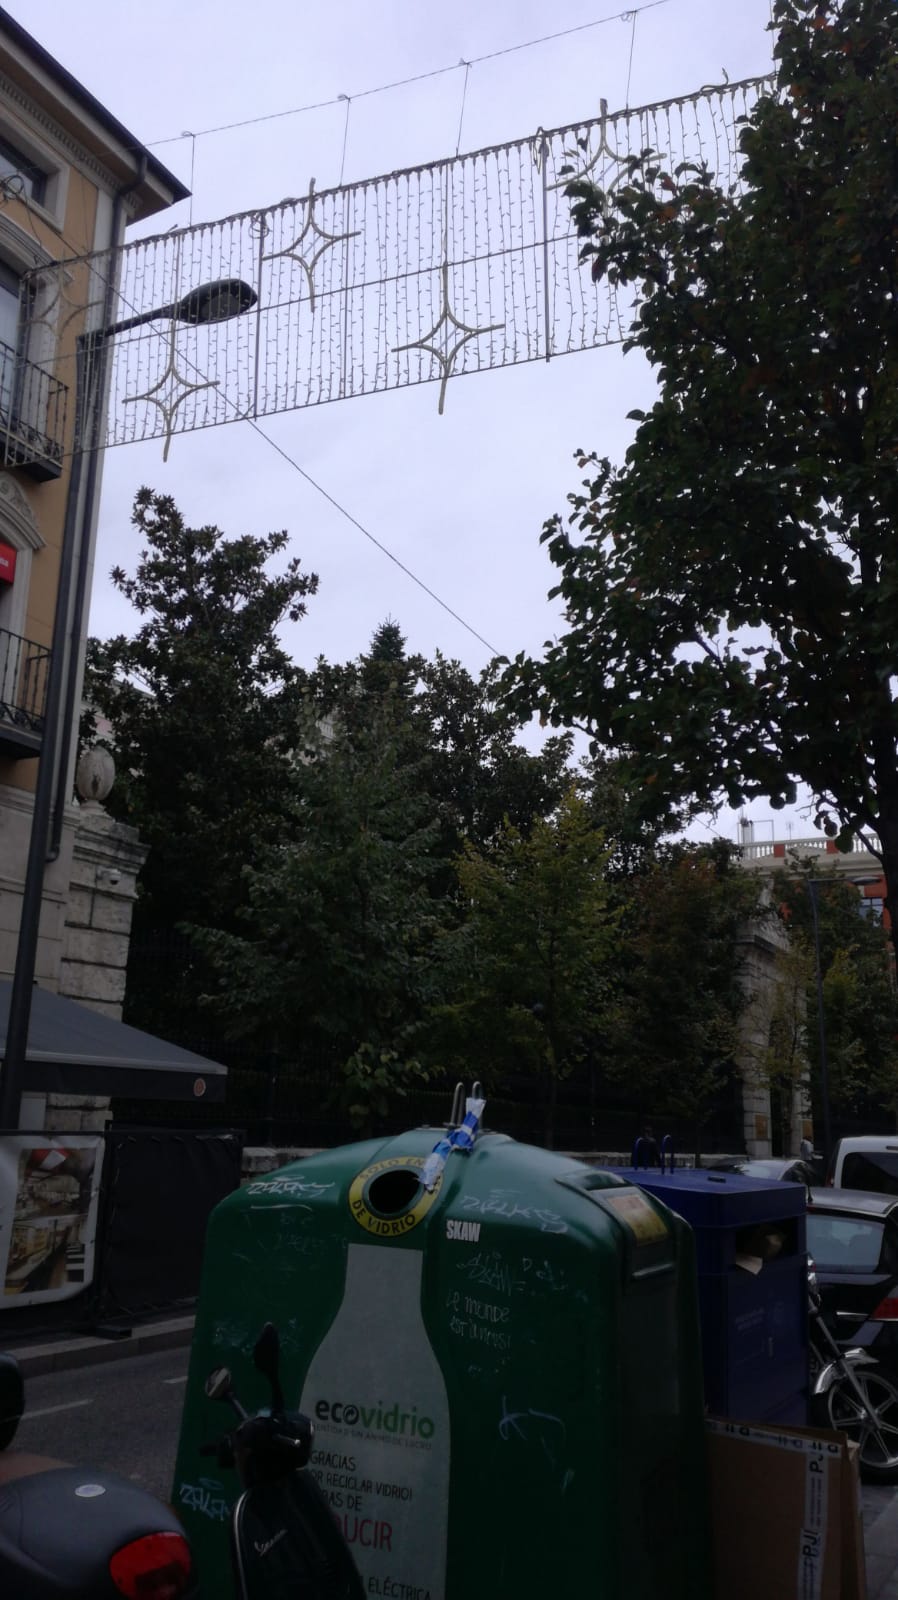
(211, 302)
(813, 885)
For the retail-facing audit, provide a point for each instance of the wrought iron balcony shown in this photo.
(24, 668)
(32, 416)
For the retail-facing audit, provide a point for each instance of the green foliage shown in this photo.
(672, 1032)
(460, 733)
(203, 704)
(337, 934)
(373, 1080)
(731, 591)
(525, 970)
(860, 1005)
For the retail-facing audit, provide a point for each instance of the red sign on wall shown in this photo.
(7, 563)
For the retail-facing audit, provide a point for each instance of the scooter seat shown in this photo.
(60, 1526)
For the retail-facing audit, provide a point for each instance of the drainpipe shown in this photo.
(96, 385)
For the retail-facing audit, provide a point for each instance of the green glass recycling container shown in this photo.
(504, 1374)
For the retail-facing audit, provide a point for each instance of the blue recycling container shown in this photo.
(751, 1250)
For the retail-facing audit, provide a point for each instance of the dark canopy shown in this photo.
(73, 1050)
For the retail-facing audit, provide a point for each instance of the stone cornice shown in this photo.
(23, 246)
(10, 92)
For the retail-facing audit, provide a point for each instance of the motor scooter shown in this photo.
(852, 1393)
(285, 1540)
(74, 1532)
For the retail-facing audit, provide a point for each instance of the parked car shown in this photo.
(775, 1169)
(853, 1241)
(869, 1162)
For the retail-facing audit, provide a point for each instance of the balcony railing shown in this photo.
(782, 850)
(24, 668)
(32, 416)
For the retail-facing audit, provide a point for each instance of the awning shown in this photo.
(73, 1050)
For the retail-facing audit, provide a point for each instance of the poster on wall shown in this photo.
(49, 1195)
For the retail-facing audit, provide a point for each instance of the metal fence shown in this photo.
(32, 416)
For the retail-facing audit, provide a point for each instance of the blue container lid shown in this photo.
(709, 1199)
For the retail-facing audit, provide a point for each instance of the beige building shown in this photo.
(72, 179)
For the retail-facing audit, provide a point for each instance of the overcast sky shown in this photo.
(461, 498)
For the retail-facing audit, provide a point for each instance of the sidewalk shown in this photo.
(881, 1542)
(59, 1355)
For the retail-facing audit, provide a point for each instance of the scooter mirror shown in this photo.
(219, 1384)
(267, 1356)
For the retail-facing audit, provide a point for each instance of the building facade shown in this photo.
(72, 178)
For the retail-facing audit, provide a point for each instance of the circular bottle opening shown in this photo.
(391, 1194)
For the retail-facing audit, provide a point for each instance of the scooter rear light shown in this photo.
(157, 1567)
(887, 1310)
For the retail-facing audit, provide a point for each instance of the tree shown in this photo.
(860, 1005)
(334, 953)
(672, 1035)
(732, 604)
(459, 732)
(525, 969)
(203, 705)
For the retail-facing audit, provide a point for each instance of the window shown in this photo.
(876, 1171)
(872, 907)
(31, 181)
(9, 307)
(850, 1244)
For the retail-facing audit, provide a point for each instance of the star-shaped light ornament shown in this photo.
(604, 152)
(172, 380)
(312, 231)
(446, 355)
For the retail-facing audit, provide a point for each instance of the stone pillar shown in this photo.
(16, 807)
(760, 950)
(106, 859)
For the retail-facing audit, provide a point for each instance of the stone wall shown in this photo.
(106, 859)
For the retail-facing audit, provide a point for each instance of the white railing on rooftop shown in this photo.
(754, 850)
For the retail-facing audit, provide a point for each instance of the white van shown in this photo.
(869, 1162)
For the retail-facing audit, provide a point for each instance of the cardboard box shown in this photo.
(785, 1513)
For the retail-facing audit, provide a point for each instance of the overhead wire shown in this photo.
(464, 96)
(631, 17)
(417, 77)
(384, 549)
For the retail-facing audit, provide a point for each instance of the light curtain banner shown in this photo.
(49, 1196)
(418, 276)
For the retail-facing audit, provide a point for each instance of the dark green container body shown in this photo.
(505, 1376)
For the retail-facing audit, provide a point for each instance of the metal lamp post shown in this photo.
(210, 303)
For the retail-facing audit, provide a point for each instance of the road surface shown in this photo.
(121, 1415)
(125, 1416)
